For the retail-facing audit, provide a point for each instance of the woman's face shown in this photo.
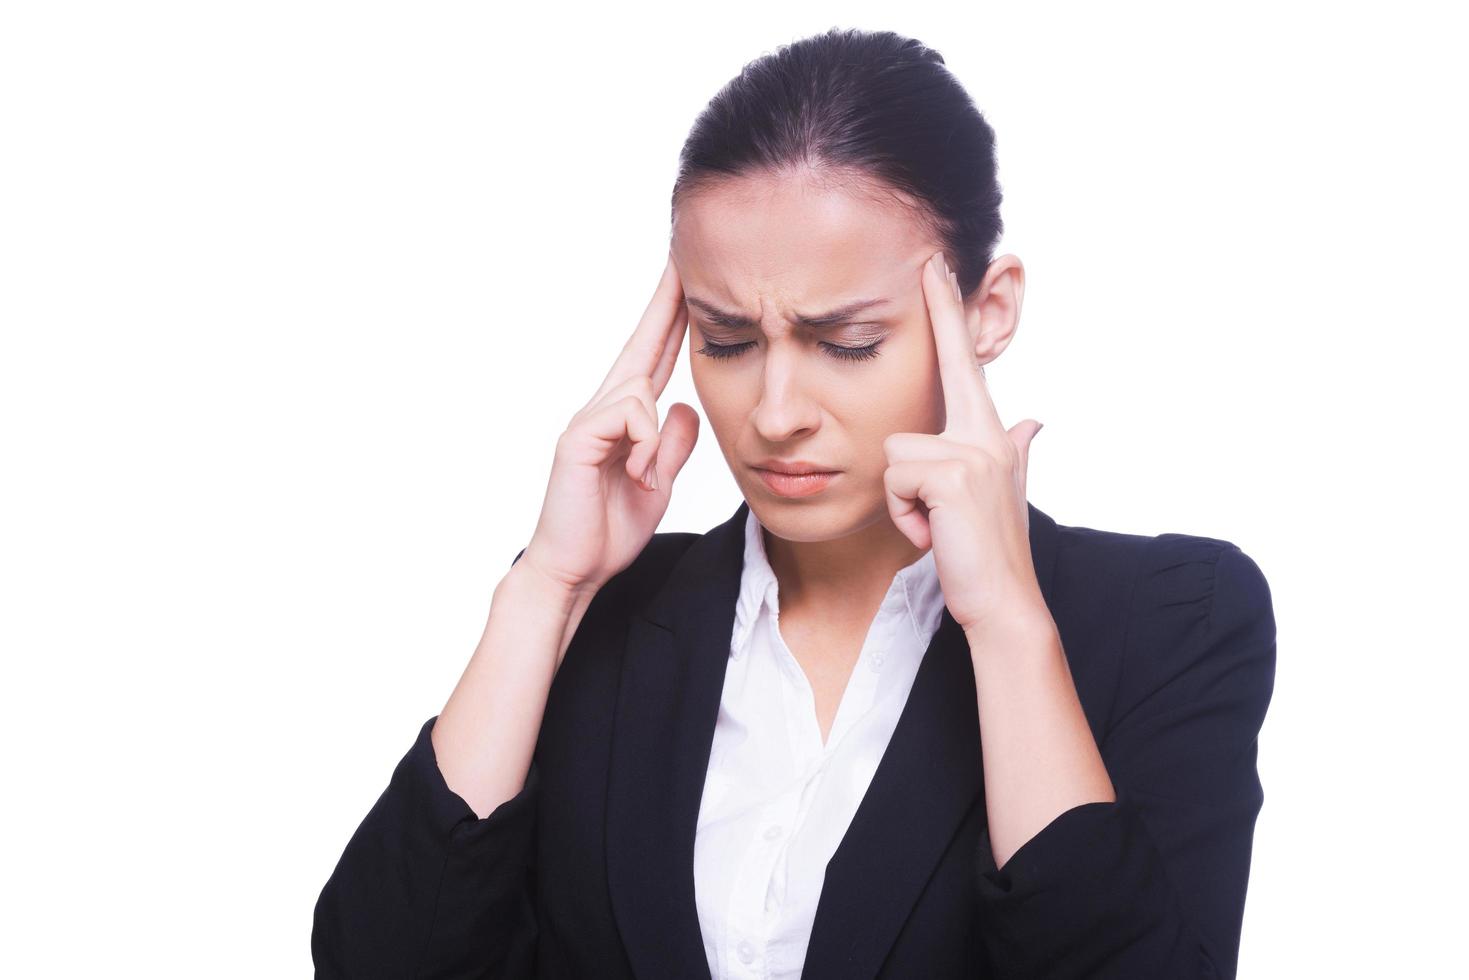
(755, 255)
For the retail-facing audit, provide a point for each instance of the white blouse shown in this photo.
(776, 801)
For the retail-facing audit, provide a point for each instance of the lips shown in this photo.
(793, 468)
(797, 484)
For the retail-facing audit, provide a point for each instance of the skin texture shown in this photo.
(769, 247)
(924, 458)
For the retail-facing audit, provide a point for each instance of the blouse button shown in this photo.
(772, 832)
(746, 951)
(877, 659)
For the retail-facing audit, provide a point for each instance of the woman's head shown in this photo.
(822, 176)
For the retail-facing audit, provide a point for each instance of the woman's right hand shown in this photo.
(598, 513)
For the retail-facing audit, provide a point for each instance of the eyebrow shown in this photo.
(831, 318)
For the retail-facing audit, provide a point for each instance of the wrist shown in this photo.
(524, 582)
(1028, 630)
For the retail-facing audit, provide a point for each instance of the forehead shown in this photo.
(796, 242)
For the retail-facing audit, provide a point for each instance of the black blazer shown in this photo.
(588, 871)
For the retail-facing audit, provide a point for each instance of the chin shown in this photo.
(815, 518)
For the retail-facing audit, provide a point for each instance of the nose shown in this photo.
(786, 409)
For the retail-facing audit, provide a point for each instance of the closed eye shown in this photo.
(721, 351)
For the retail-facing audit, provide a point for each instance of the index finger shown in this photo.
(969, 411)
(646, 353)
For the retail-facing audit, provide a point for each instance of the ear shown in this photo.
(992, 310)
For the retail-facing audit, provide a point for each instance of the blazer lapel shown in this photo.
(668, 701)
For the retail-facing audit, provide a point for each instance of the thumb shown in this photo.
(676, 440)
(1023, 435)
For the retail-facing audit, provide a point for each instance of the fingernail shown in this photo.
(647, 476)
(653, 475)
(1038, 427)
(937, 261)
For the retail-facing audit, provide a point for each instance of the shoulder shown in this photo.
(1198, 587)
(1198, 623)
(1159, 572)
(636, 584)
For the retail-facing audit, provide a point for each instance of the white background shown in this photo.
(296, 298)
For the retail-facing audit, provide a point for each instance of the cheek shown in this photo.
(708, 385)
(906, 392)
(723, 400)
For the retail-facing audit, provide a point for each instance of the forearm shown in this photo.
(1040, 758)
(485, 736)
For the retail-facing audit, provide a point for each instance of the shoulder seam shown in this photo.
(1122, 657)
(1144, 552)
(1214, 584)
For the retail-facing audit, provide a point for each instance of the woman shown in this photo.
(888, 719)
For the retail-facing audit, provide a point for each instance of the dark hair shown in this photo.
(871, 105)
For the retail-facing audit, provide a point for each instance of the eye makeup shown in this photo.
(722, 351)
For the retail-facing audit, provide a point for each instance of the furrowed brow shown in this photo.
(738, 321)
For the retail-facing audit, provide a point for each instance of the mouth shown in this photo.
(798, 467)
(802, 483)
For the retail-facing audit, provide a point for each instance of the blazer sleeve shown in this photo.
(428, 889)
(1153, 884)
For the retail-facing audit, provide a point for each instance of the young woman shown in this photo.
(888, 719)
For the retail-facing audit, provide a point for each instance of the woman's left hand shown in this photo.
(962, 492)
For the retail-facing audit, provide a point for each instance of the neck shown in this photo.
(844, 576)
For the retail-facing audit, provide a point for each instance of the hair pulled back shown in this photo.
(871, 110)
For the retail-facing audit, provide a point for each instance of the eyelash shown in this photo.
(721, 351)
